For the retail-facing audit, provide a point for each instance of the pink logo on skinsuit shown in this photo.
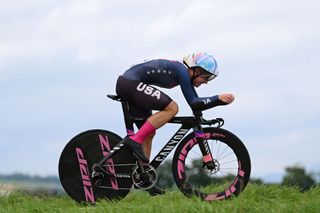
(105, 147)
(87, 186)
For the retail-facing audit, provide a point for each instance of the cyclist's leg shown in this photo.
(164, 116)
(137, 112)
(155, 121)
(147, 145)
(144, 114)
(149, 98)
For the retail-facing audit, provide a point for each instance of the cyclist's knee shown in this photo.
(173, 108)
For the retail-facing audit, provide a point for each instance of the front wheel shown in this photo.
(231, 161)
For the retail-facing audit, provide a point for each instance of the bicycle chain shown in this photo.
(128, 164)
(109, 187)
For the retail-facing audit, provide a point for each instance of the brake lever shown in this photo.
(220, 122)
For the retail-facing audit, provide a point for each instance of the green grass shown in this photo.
(255, 198)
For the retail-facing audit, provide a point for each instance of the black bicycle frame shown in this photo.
(187, 123)
(174, 141)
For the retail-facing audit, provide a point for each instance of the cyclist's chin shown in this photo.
(196, 84)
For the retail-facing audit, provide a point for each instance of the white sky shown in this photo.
(58, 59)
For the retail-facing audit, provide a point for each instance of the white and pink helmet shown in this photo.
(203, 60)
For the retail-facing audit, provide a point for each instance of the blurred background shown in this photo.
(58, 60)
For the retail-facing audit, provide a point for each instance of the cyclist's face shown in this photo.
(201, 79)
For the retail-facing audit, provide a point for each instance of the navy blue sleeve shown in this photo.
(195, 102)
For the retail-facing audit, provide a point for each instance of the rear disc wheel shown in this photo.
(78, 158)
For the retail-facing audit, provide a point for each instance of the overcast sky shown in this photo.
(58, 59)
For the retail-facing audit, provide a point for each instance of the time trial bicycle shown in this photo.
(210, 163)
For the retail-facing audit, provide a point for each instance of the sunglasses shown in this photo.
(207, 77)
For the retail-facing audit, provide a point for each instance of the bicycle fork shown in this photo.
(207, 159)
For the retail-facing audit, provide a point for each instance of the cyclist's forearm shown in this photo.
(206, 103)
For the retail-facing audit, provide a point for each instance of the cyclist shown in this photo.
(135, 86)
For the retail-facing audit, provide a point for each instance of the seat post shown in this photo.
(128, 119)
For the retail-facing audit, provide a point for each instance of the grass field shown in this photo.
(256, 198)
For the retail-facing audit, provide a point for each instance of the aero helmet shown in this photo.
(203, 60)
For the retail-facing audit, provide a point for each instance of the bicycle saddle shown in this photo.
(115, 97)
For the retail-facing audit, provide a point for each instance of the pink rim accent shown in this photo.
(227, 192)
(207, 135)
(214, 197)
(233, 188)
(241, 172)
(218, 135)
(180, 169)
(190, 143)
(182, 157)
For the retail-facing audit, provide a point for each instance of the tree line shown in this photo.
(295, 176)
(16, 177)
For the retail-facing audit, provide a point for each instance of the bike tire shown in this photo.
(77, 159)
(232, 162)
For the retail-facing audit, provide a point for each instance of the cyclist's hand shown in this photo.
(226, 98)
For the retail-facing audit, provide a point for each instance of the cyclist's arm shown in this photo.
(204, 103)
(195, 102)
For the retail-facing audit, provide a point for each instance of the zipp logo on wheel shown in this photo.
(105, 147)
(87, 186)
(148, 90)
